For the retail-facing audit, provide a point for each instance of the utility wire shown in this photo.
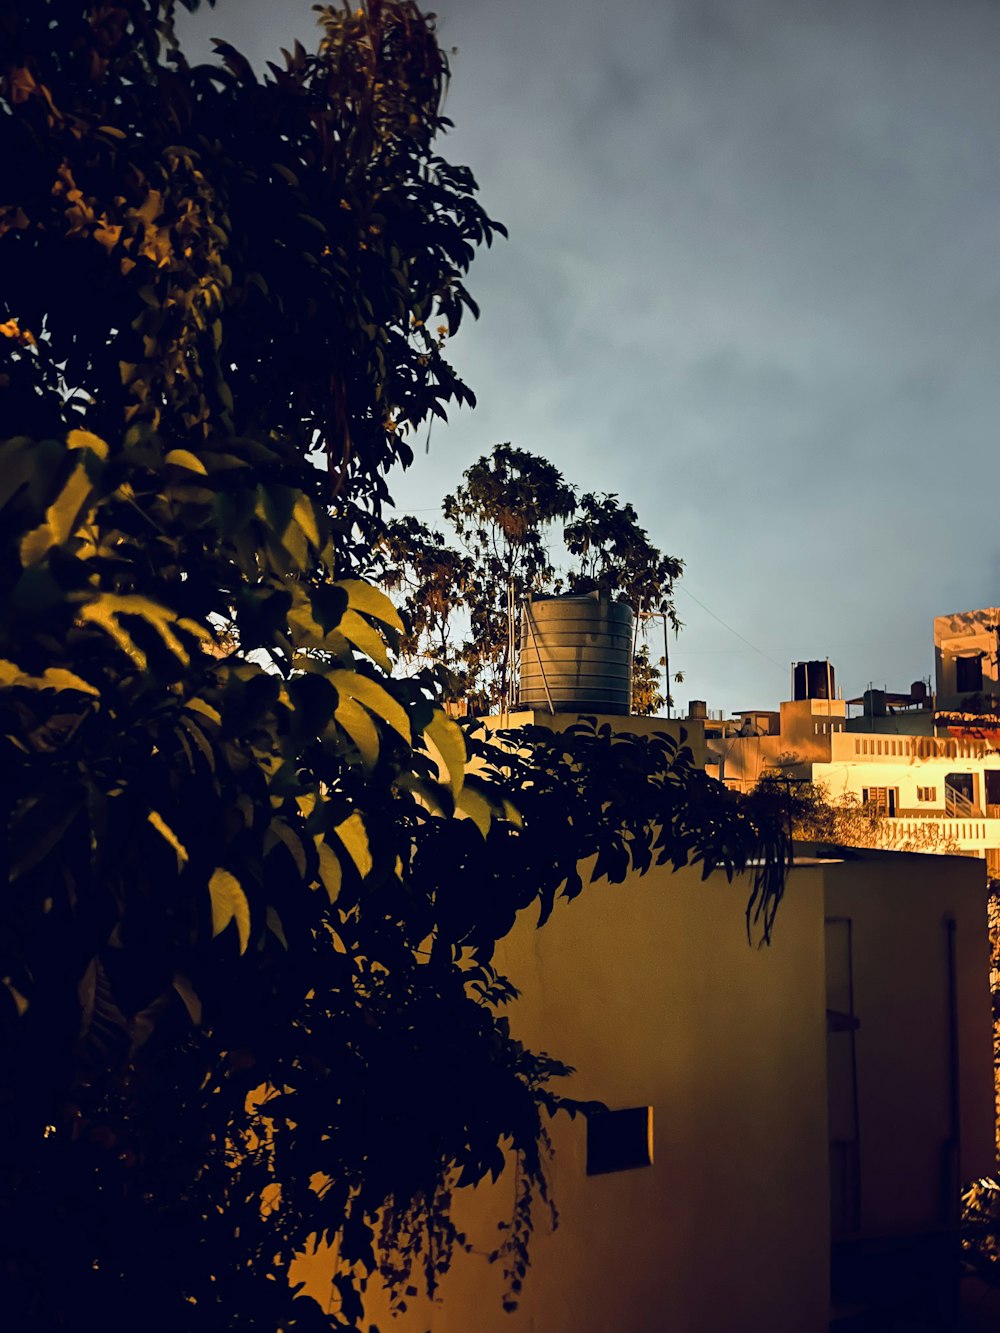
(687, 592)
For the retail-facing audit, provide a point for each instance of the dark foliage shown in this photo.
(250, 893)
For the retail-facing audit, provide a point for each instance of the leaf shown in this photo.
(61, 518)
(165, 831)
(275, 927)
(199, 738)
(305, 516)
(186, 459)
(370, 601)
(450, 744)
(20, 1001)
(512, 814)
(192, 1002)
(352, 685)
(364, 637)
(280, 832)
(85, 439)
(329, 870)
(47, 823)
(106, 611)
(199, 706)
(353, 834)
(475, 807)
(53, 678)
(229, 903)
(357, 722)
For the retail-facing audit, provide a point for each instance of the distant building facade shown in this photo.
(930, 763)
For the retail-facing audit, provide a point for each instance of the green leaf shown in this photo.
(370, 601)
(85, 439)
(184, 458)
(61, 518)
(305, 515)
(229, 903)
(275, 926)
(450, 743)
(352, 685)
(165, 831)
(475, 807)
(353, 834)
(52, 678)
(20, 1001)
(192, 1002)
(357, 722)
(364, 637)
(329, 869)
(278, 831)
(205, 710)
(106, 611)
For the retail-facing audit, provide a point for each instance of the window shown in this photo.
(619, 1140)
(969, 674)
(884, 799)
(927, 793)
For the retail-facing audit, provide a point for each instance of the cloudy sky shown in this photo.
(753, 286)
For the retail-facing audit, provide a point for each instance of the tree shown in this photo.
(810, 814)
(615, 556)
(434, 577)
(502, 515)
(247, 998)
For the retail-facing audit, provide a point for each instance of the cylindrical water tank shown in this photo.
(875, 703)
(576, 654)
(814, 680)
(698, 708)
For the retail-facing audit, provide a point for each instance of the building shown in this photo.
(786, 1128)
(783, 1113)
(930, 763)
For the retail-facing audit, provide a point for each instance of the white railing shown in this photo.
(928, 835)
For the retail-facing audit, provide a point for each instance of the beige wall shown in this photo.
(690, 731)
(652, 992)
(898, 905)
(962, 633)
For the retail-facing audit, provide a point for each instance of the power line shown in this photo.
(782, 668)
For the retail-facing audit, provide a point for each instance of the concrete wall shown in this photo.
(965, 633)
(687, 731)
(652, 992)
(899, 906)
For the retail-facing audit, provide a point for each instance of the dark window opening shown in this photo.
(969, 674)
(619, 1140)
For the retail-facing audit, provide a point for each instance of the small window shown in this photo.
(619, 1140)
(927, 793)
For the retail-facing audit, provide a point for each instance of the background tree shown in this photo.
(433, 579)
(611, 553)
(246, 993)
(811, 814)
(501, 514)
(507, 517)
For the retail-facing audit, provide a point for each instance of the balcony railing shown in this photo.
(930, 835)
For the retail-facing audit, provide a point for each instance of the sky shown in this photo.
(752, 286)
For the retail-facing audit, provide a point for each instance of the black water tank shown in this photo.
(814, 680)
